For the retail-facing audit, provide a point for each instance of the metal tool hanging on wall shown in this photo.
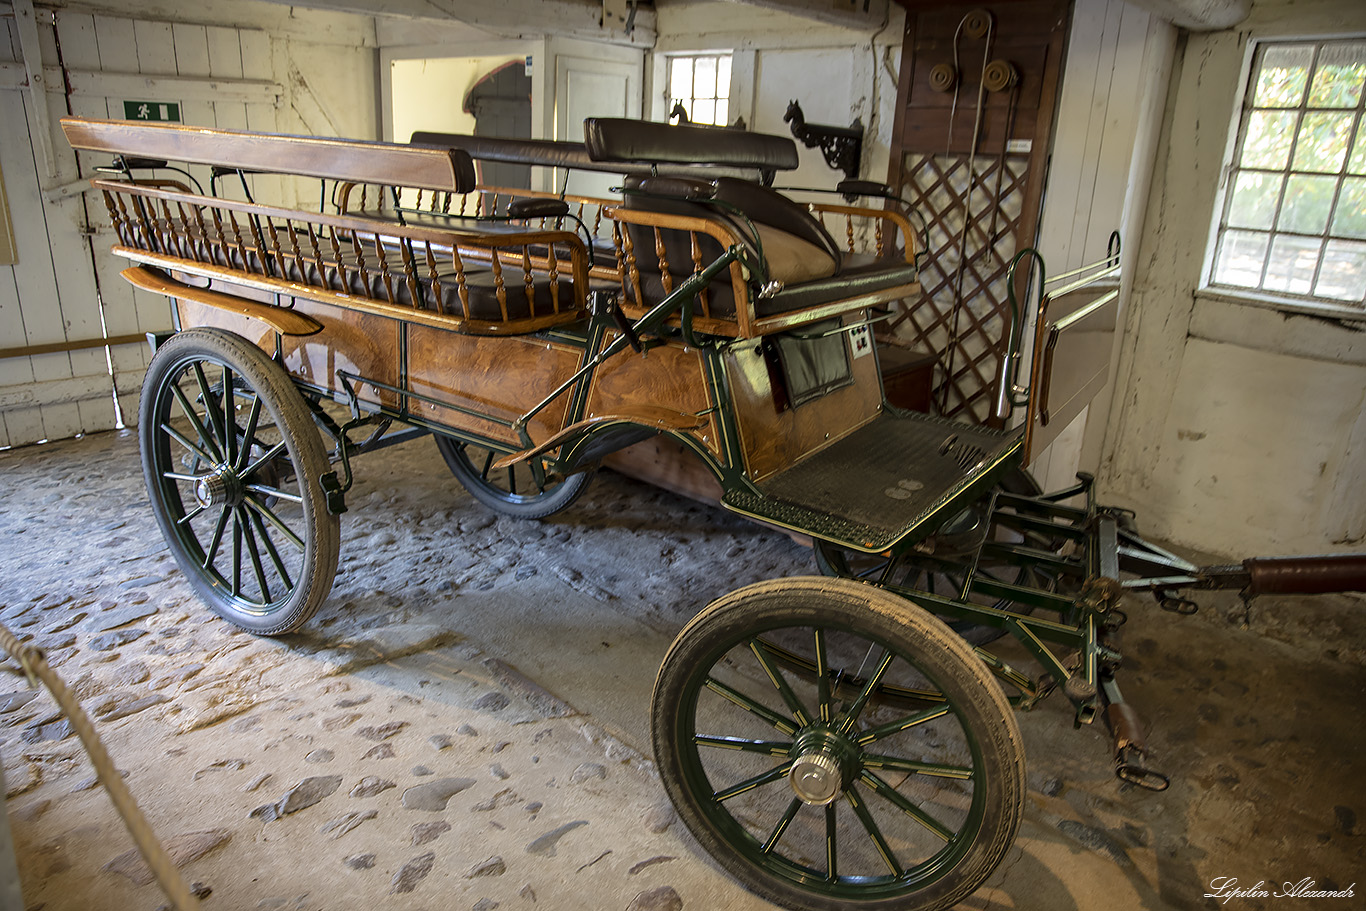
(996, 76)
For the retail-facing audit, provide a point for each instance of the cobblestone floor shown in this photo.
(463, 725)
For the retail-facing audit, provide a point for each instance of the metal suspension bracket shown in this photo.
(1175, 604)
(1131, 748)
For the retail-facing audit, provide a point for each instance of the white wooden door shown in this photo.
(65, 286)
(587, 87)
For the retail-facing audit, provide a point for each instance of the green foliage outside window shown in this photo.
(1294, 215)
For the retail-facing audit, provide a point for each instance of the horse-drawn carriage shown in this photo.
(832, 740)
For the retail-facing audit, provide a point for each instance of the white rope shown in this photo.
(35, 666)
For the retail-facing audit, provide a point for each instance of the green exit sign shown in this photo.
(158, 111)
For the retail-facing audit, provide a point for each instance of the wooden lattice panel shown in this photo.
(972, 334)
(1001, 131)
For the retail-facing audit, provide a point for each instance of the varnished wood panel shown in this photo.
(667, 463)
(671, 378)
(502, 377)
(773, 440)
(358, 343)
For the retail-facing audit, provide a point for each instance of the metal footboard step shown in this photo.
(899, 476)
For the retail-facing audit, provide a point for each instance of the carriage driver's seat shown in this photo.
(796, 250)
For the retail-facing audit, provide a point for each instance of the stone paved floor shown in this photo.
(464, 724)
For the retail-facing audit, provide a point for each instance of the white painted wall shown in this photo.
(323, 65)
(428, 93)
(1239, 430)
(837, 74)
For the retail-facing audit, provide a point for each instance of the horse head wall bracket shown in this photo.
(841, 146)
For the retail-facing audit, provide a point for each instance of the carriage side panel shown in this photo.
(502, 379)
(361, 344)
(670, 382)
(774, 435)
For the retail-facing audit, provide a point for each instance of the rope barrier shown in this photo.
(35, 666)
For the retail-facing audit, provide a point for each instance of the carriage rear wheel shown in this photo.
(813, 790)
(517, 490)
(232, 463)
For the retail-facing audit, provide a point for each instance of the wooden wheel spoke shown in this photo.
(488, 464)
(270, 549)
(826, 708)
(766, 747)
(249, 434)
(265, 512)
(856, 708)
(779, 682)
(749, 705)
(194, 450)
(902, 724)
(236, 555)
(782, 825)
(217, 537)
(911, 766)
(254, 552)
(271, 453)
(229, 418)
(205, 439)
(870, 826)
(898, 800)
(831, 845)
(267, 491)
(189, 515)
(213, 414)
(777, 773)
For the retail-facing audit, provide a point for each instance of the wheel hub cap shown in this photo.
(816, 778)
(218, 488)
(824, 763)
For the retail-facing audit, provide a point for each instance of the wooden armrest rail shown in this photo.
(878, 217)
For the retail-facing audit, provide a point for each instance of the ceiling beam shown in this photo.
(1199, 15)
(508, 18)
(862, 15)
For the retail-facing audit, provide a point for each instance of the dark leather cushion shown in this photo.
(769, 207)
(623, 140)
(849, 283)
(691, 189)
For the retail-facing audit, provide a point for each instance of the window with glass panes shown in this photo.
(701, 83)
(1293, 222)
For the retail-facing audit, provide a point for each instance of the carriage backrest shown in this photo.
(443, 169)
(641, 142)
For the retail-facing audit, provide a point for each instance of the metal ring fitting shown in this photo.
(977, 23)
(999, 75)
(943, 77)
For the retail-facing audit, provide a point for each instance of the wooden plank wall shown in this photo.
(54, 294)
(1118, 59)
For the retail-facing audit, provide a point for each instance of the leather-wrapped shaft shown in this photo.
(1310, 575)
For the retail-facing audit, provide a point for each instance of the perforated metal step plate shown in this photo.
(899, 476)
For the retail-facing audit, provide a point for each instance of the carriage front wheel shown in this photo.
(816, 791)
(232, 462)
